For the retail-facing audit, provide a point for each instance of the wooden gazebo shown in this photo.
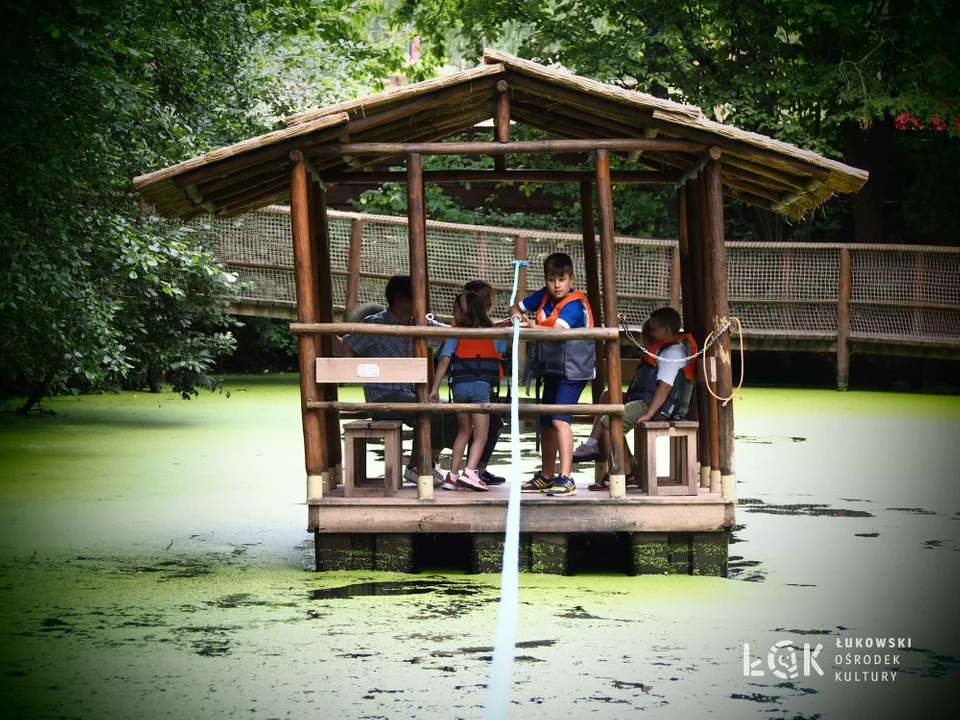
(669, 144)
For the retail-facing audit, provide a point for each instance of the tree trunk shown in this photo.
(872, 150)
(154, 378)
(40, 389)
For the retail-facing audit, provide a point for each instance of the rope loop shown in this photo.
(710, 340)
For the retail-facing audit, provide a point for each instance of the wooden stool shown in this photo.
(683, 478)
(355, 436)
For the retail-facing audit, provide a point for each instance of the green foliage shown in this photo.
(819, 75)
(93, 92)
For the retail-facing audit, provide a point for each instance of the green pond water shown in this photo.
(154, 563)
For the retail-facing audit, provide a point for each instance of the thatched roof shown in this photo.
(254, 173)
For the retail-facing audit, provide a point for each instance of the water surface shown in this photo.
(153, 562)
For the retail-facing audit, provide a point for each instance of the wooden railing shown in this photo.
(842, 298)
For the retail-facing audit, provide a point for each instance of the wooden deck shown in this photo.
(465, 511)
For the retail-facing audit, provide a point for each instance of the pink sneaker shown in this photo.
(449, 482)
(469, 479)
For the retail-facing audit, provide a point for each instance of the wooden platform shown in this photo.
(466, 511)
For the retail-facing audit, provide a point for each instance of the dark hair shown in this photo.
(557, 264)
(667, 317)
(645, 332)
(483, 289)
(473, 306)
(398, 287)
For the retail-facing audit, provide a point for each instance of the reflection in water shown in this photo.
(393, 588)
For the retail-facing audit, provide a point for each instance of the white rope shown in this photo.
(504, 648)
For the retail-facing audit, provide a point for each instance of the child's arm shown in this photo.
(438, 376)
(656, 402)
(340, 347)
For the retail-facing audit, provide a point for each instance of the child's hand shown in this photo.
(643, 418)
(434, 396)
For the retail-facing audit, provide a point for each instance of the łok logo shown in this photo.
(782, 661)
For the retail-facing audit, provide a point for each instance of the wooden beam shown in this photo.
(280, 165)
(752, 190)
(590, 255)
(501, 120)
(707, 311)
(718, 283)
(430, 331)
(353, 265)
(712, 153)
(843, 321)
(619, 177)
(413, 129)
(675, 278)
(321, 244)
(592, 267)
(231, 195)
(786, 178)
(687, 294)
(249, 202)
(433, 133)
(732, 171)
(314, 427)
(416, 229)
(278, 150)
(530, 147)
(424, 408)
(644, 118)
(608, 253)
(694, 321)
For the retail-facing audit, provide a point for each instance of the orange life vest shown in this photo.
(568, 359)
(476, 359)
(690, 369)
(644, 384)
(544, 320)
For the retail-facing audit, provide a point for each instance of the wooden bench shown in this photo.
(683, 478)
(359, 370)
(355, 436)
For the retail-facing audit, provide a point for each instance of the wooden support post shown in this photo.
(675, 281)
(593, 297)
(718, 283)
(687, 296)
(320, 235)
(843, 321)
(416, 217)
(706, 316)
(608, 255)
(501, 121)
(695, 243)
(353, 265)
(520, 253)
(314, 426)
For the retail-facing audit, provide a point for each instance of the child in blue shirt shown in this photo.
(566, 365)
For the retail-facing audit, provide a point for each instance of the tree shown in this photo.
(829, 76)
(93, 290)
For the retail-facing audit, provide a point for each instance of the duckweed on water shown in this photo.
(153, 563)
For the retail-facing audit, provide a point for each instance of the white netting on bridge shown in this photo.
(903, 294)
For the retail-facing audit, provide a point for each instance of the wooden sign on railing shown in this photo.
(371, 370)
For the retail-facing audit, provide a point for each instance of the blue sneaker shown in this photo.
(563, 486)
(537, 484)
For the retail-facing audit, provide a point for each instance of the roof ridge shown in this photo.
(393, 95)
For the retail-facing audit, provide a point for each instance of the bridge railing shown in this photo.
(786, 294)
